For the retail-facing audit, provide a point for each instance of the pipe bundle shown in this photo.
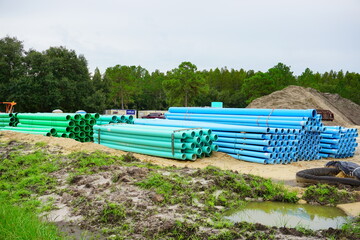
(177, 143)
(8, 119)
(68, 125)
(108, 119)
(338, 142)
(256, 135)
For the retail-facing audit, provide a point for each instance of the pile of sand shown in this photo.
(346, 112)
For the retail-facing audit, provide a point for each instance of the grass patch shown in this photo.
(21, 223)
(173, 188)
(22, 176)
(327, 195)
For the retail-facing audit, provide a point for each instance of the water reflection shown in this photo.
(289, 215)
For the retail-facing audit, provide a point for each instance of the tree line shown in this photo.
(58, 78)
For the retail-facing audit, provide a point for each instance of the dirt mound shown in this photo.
(346, 112)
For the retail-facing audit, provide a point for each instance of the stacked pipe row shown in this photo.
(76, 126)
(108, 119)
(306, 122)
(338, 142)
(256, 135)
(254, 144)
(8, 119)
(183, 144)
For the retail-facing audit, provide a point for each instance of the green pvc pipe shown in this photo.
(85, 128)
(195, 150)
(140, 141)
(199, 133)
(50, 130)
(195, 140)
(206, 149)
(121, 118)
(28, 132)
(90, 121)
(151, 138)
(180, 156)
(129, 117)
(142, 146)
(80, 134)
(189, 133)
(6, 115)
(48, 123)
(7, 119)
(80, 123)
(40, 116)
(190, 156)
(76, 129)
(68, 135)
(107, 118)
(95, 115)
(205, 138)
(148, 132)
(214, 147)
(214, 137)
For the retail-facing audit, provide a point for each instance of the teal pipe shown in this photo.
(163, 139)
(160, 149)
(180, 156)
(124, 129)
(139, 141)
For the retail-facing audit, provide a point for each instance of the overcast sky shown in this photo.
(160, 34)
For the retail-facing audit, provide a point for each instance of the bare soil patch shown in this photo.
(346, 112)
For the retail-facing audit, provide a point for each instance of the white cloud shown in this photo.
(160, 34)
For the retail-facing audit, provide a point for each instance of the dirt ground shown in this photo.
(346, 112)
(278, 172)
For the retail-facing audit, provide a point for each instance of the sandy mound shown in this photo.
(346, 112)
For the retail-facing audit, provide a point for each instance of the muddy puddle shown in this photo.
(289, 215)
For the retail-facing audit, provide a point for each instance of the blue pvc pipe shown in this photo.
(246, 141)
(185, 116)
(192, 124)
(250, 159)
(246, 111)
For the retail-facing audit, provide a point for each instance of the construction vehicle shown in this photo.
(326, 115)
(9, 106)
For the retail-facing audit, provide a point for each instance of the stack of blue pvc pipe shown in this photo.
(256, 135)
(338, 142)
(182, 144)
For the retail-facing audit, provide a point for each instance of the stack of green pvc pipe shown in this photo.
(169, 142)
(68, 125)
(7, 119)
(108, 119)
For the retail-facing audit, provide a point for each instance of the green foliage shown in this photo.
(59, 78)
(183, 85)
(325, 194)
(124, 83)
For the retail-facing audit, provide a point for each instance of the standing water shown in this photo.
(289, 215)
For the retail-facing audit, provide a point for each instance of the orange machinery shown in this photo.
(9, 106)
